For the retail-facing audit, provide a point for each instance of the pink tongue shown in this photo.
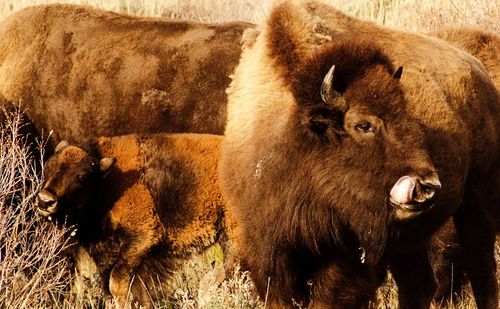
(403, 190)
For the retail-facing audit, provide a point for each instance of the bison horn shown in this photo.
(397, 74)
(61, 145)
(106, 164)
(329, 95)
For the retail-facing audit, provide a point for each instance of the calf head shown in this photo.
(70, 178)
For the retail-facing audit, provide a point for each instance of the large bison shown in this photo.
(85, 72)
(332, 160)
(140, 204)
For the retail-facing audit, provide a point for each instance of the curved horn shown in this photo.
(397, 74)
(329, 95)
(61, 145)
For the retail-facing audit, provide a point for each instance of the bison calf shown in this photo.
(140, 203)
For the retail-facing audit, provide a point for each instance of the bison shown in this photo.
(482, 44)
(336, 163)
(84, 72)
(140, 204)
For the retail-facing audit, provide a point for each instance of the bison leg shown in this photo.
(131, 255)
(343, 286)
(447, 261)
(414, 277)
(477, 238)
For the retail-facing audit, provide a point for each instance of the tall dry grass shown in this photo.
(413, 15)
(33, 271)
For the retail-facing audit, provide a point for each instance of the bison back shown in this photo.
(85, 72)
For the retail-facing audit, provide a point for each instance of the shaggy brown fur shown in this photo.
(310, 191)
(85, 73)
(482, 44)
(448, 264)
(159, 203)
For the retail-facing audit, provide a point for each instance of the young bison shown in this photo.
(333, 160)
(140, 203)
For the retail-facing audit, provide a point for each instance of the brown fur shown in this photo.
(306, 199)
(85, 72)
(483, 45)
(448, 264)
(158, 204)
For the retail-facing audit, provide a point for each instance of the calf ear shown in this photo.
(61, 145)
(106, 164)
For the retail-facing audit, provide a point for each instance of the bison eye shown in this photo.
(81, 178)
(365, 127)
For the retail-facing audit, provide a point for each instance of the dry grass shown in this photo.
(33, 271)
(36, 276)
(414, 15)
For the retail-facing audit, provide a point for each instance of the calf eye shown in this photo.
(81, 178)
(365, 127)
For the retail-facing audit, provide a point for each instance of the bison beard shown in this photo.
(309, 179)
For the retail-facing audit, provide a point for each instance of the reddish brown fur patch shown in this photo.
(196, 157)
(125, 149)
(72, 155)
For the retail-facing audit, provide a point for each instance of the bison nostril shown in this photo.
(46, 199)
(427, 189)
(432, 184)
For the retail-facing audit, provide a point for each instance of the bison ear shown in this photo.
(106, 164)
(326, 125)
(61, 146)
(397, 74)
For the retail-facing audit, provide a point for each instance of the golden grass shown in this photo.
(413, 15)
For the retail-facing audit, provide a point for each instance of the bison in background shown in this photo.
(141, 204)
(332, 160)
(484, 45)
(84, 72)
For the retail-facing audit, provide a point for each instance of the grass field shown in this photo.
(20, 235)
(415, 15)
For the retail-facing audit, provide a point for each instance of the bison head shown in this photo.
(355, 109)
(70, 177)
(333, 139)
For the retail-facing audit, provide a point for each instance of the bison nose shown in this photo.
(426, 190)
(46, 203)
(415, 193)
